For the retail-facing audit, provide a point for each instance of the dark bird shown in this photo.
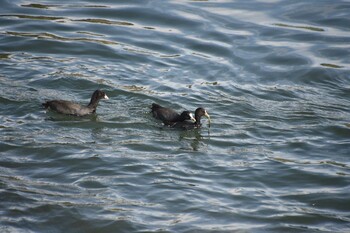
(71, 108)
(169, 116)
(193, 125)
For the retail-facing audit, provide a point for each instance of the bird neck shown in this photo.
(93, 102)
(198, 120)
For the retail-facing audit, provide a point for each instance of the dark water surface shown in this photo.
(273, 75)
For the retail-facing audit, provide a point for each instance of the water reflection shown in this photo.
(194, 139)
(57, 117)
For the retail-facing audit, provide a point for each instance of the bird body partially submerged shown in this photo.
(71, 108)
(169, 116)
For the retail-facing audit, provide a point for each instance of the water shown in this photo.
(273, 75)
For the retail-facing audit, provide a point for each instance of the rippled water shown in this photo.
(273, 75)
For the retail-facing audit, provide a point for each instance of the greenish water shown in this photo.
(273, 75)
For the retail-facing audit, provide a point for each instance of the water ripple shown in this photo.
(273, 75)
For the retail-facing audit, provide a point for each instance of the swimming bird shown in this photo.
(71, 108)
(170, 116)
(193, 125)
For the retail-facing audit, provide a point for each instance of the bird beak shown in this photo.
(105, 97)
(192, 117)
(207, 116)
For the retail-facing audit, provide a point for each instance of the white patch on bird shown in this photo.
(192, 117)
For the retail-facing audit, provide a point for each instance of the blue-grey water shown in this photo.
(273, 74)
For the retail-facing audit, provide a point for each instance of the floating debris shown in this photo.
(36, 5)
(331, 65)
(210, 83)
(104, 21)
(5, 55)
(300, 27)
